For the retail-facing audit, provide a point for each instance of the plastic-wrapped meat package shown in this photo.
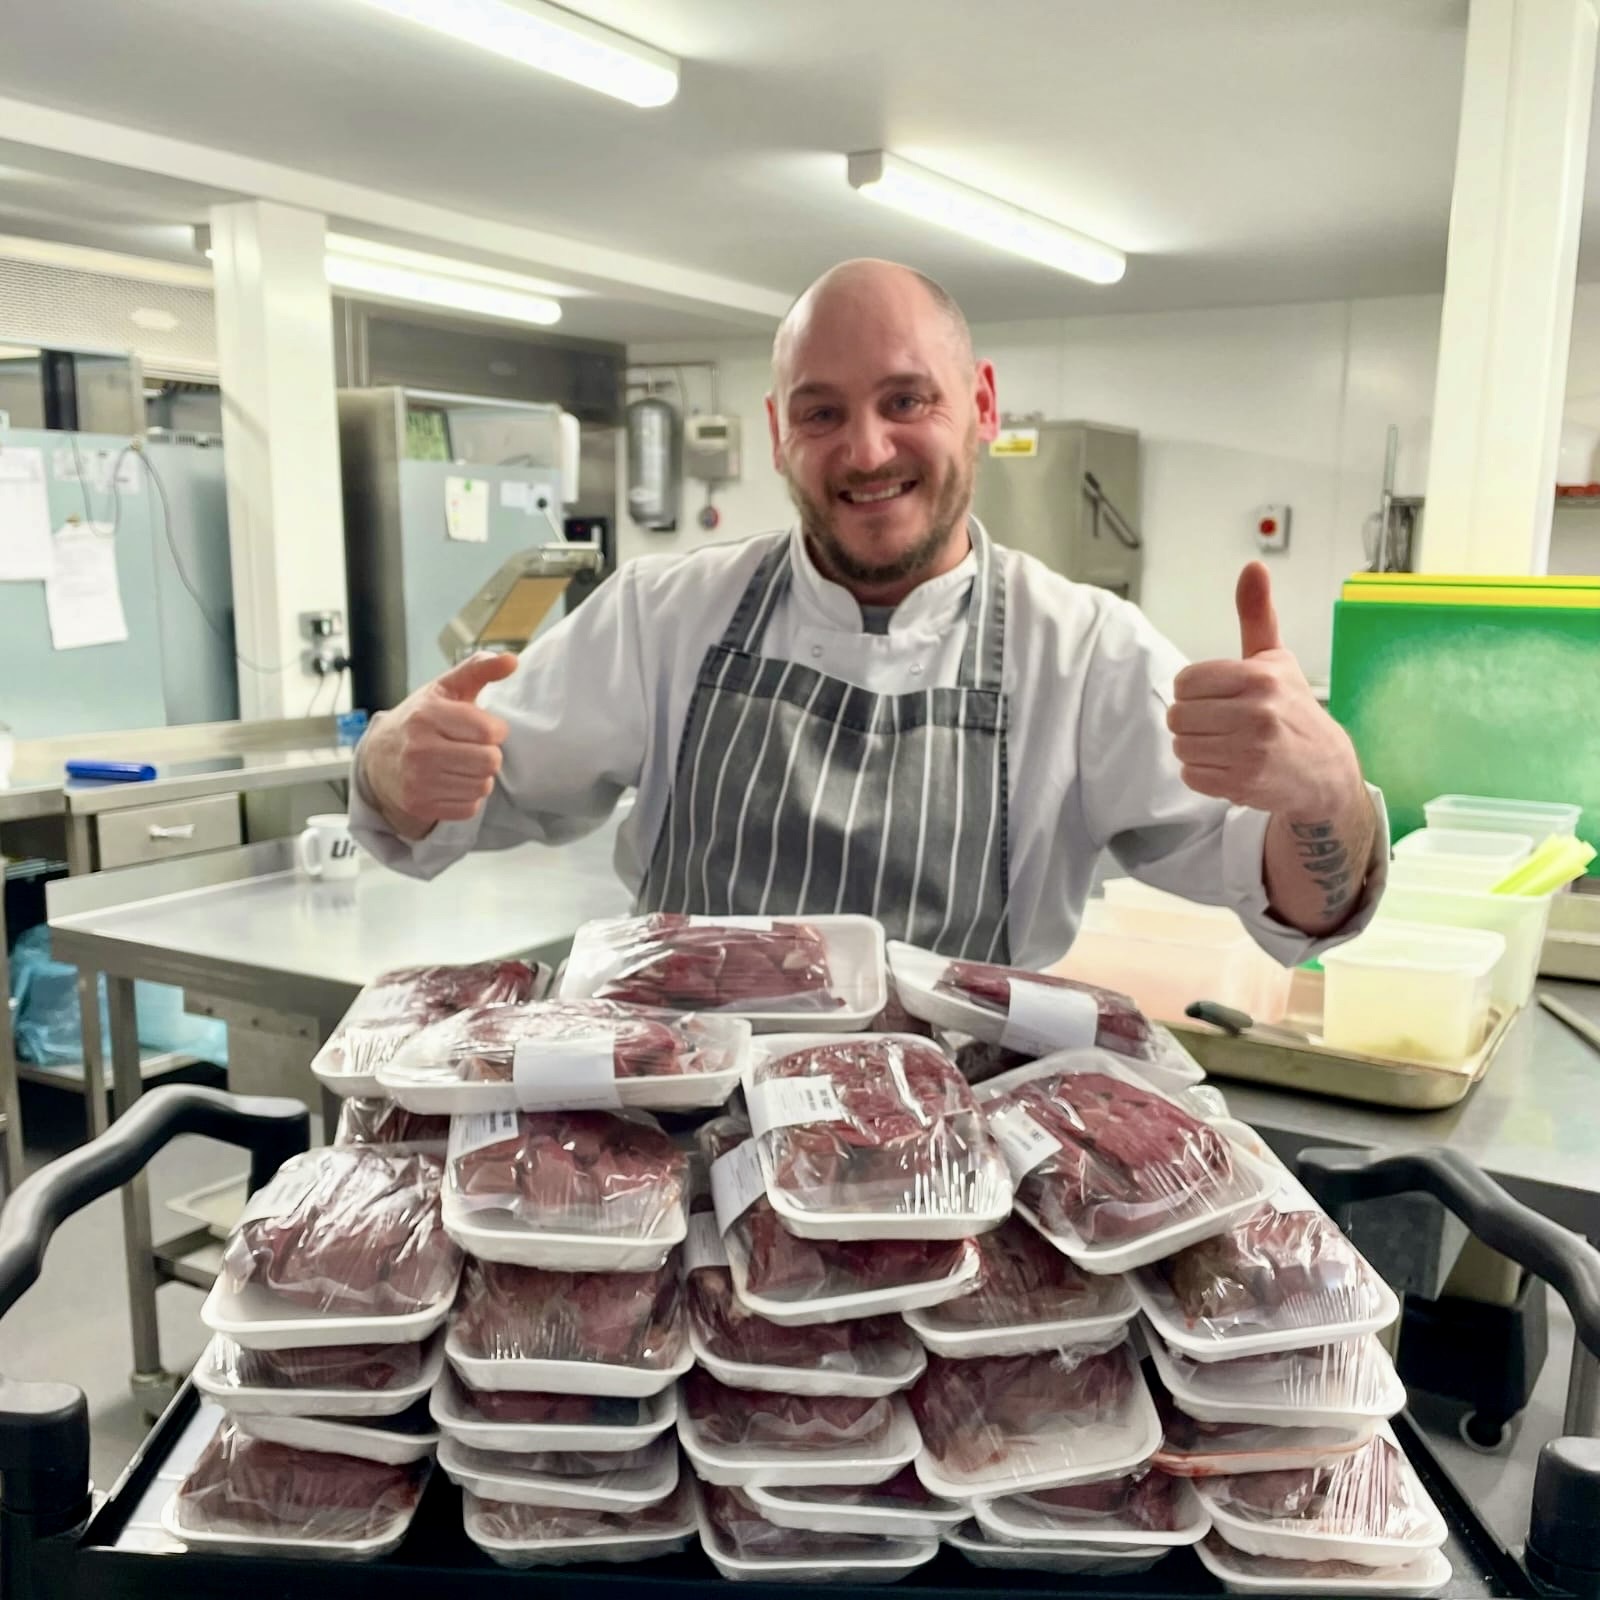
(1369, 1501)
(977, 1060)
(1424, 1574)
(1349, 1379)
(751, 1537)
(1042, 1013)
(382, 1122)
(899, 1140)
(396, 1005)
(552, 1410)
(696, 964)
(246, 1486)
(1147, 1501)
(631, 1319)
(998, 1423)
(609, 1174)
(1194, 1449)
(1024, 1280)
(1275, 1270)
(757, 1418)
(782, 1267)
(371, 1368)
(541, 1524)
(555, 1463)
(866, 1346)
(1104, 1160)
(348, 1231)
(903, 1492)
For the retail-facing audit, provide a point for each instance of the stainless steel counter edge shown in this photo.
(20, 802)
(320, 766)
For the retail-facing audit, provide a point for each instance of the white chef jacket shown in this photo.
(597, 705)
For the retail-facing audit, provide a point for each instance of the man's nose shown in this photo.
(869, 443)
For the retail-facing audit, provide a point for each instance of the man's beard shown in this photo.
(949, 509)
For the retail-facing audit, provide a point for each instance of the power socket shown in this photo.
(319, 626)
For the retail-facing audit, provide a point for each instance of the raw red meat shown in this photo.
(559, 1463)
(750, 1537)
(1271, 1567)
(903, 1492)
(1148, 1500)
(911, 1138)
(254, 1487)
(978, 1061)
(975, 1413)
(371, 1367)
(348, 1231)
(593, 1172)
(1363, 1496)
(631, 1319)
(382, 1122)
(1130, 1162)
(669, 960)
(756, 1419)
(541, 1524)
(1023, 1279)
(783, 1266)
(1120, 1025)
(730, 1332)
(552, 1410)
(1273, 1264)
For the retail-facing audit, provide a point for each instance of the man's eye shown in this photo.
(819, 414)
(906, 404)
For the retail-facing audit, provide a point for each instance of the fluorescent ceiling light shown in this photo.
(979, 216)
(552, 40)
(387, 281)
(393, 255)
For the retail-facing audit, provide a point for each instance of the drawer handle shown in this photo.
(181, 830)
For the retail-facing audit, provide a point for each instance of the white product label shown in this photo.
(480, 1130)
(737, 1183)
(1043, 1018)
(1022, 1141)
(566, 1074)
(704, 1247)
(782, 1102)
(283, 1191)
(743, 925)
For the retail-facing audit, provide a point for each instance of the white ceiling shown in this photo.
(1242, 151)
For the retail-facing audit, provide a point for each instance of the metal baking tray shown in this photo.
(1572, 941)
(1305, 1063)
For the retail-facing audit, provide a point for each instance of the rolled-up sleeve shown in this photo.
(579, 723)
(1138, 807)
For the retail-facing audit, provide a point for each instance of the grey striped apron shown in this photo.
(797, 792)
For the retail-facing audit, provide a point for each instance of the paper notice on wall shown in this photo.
(81, 595)
(466, 509)
(26, 554)
(95, 468)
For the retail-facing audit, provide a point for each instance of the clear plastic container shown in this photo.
(1468, 813)
(1520, 919)
(1410, 992)
(1472, 873)
(1503, 850)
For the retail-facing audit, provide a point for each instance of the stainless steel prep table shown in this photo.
(270, 951)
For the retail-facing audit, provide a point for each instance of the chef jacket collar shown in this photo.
(932, 604)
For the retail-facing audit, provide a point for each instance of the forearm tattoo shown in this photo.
(1325, 858)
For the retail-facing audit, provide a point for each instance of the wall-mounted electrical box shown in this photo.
(711, 448)
(1272, 528)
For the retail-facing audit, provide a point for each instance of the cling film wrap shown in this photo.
(1037, 1014)
(890, 1130)
(612, 1175)
(749, 1536)
(1194, 1449)
(1107, 1160)
(589, 1464)
(372, 1369)
(781, 1266)
(248, 1487)
(551, 1410)
(698, 964)
(1352, 1376)
(538, 1525)
(347, 1232)
(759, 1420)
(1143, 1502)
(631, 1319)
(382, 1122)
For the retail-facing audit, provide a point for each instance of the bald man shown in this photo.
(882, 709)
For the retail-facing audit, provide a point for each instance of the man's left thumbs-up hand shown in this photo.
(1251, 731)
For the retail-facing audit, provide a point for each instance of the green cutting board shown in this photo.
(1460, 699)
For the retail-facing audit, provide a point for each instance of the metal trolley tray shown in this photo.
(57, 1543)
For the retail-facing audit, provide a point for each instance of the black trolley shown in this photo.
(59, 1539)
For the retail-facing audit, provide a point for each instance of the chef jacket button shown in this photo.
(916, 669)
(816, 652)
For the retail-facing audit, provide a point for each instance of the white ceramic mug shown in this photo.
(325, 850)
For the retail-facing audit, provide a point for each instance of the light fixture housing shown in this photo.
(552, 40)
(415, 284)
(981, 217)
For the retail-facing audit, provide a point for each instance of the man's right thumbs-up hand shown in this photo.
(434, 758)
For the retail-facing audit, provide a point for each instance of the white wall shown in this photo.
(1236, 409)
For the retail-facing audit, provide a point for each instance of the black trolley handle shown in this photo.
(1564, 1260)
(44, 1427)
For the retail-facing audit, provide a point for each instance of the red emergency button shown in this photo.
(1267, 526)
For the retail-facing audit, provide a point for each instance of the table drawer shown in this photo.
(162, 833)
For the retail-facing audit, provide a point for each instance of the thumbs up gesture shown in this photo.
(1251, 731)
(434, 758)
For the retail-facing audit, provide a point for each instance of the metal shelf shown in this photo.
(70, 1075)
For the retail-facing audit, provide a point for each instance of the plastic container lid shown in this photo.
(1417, 947)
(1504, 849)
(1537, 818)
(1245, 1574)
(212, 1378)
(1065, 1560)
(451, 1408)
(503, 1479)
(367, 1441)
(260, 1320)
(860, 1508)
(623, 1542)
(854, 952)
(739, 1466)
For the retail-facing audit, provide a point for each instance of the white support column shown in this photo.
(280, 436)
(1507, 321)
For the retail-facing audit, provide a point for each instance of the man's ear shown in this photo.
(988, 402)
(772, 427)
